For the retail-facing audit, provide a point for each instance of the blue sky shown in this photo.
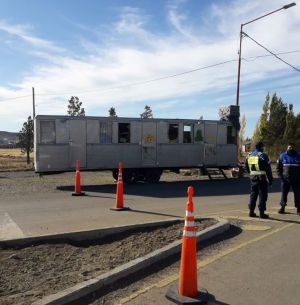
(105, 51)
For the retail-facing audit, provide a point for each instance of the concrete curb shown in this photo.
(87, 287)
(78, 236)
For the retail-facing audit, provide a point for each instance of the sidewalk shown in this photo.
(260, 271)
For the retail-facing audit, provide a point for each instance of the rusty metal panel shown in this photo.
(108, 156)
(62, 131)
(210, 133)
(222, 134)
(47, 135)
(227, 155)
(93, 132)
(77, 142)
(149, 137)
(136, 132)
(179, 155)
(210, 154)
(162, 132)
(53, 158)
(115, 130)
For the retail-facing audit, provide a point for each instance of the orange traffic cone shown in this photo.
(119, 195)
(187, 291)
(188, 266)
(77, 181)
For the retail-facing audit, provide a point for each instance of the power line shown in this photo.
(253, 58)
(14, 98)
(169, 76)
(271, 52)
(147, 81)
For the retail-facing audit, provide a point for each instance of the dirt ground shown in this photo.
(12, 159)
(30, 273)
(15, 184)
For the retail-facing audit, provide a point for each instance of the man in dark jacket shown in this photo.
(258, 166)
(288, 169)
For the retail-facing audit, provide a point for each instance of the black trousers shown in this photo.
(259, 187)
(285, 188)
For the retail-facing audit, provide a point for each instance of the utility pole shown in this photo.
(33, 103)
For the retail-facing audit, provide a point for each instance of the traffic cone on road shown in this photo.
(119, 194)
(187, 292)
(77, 181)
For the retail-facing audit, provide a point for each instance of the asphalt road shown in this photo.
(42, 211)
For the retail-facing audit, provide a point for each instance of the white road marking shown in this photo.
(8, 228)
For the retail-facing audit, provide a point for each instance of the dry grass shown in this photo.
(12, 159)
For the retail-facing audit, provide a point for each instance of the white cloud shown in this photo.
(101, 77)
(23, 32)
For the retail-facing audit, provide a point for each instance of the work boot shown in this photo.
(263, 215)
(252, 214)
(281, 210)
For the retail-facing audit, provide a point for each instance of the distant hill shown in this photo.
(9, 138)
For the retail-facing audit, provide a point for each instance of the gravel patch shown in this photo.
(30, 273)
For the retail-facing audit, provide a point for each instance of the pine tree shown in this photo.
(261, 125)
(147, 114)
(296, 138)
(290, 127)
(112, 112)
(256, 137)
(74, 107)
(26, 138)
(273, 134)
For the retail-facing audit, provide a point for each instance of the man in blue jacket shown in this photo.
(288, 169)
(258, 166)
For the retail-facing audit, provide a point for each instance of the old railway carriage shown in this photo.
(145, 146)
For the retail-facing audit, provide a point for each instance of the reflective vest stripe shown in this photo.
(257, 172)
(291, 165)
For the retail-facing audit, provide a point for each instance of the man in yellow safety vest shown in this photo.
(258, 166)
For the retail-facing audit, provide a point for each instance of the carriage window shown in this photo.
(230, 135)
(173, 133)
(187, 134)
(47, 132)
(105, 133)
(124, 133)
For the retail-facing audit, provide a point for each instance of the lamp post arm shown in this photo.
(282, 8)
(263, 16)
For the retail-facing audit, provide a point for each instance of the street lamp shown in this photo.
(240, 50)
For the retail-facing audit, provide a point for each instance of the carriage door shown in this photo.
(210, 146)
(148, 143)
(77, 142)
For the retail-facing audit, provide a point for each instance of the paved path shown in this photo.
(59, 212)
